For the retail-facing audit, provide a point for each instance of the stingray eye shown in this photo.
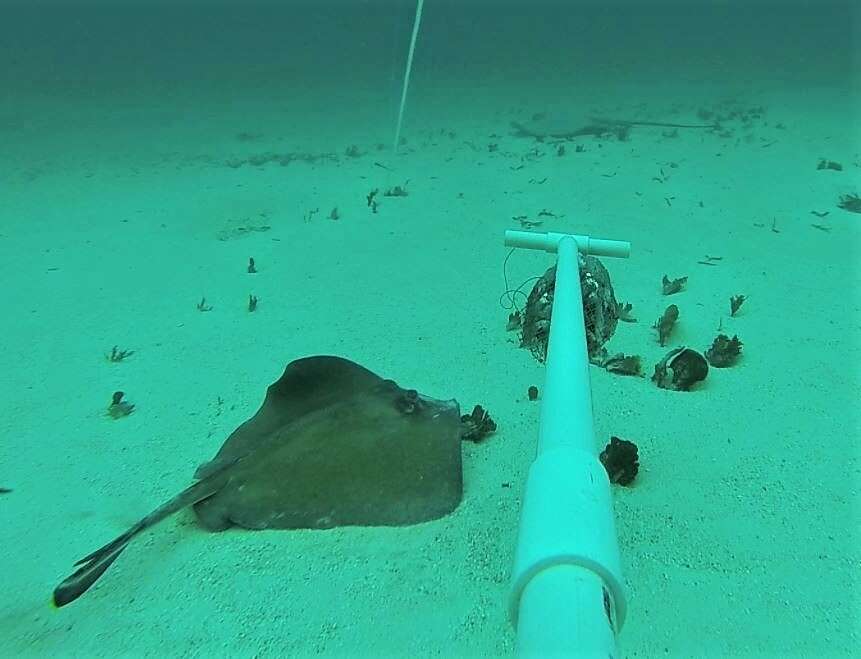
(408, 402)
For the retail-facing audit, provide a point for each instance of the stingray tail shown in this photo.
(92, 567)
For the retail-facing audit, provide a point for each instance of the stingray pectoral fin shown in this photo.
(92, 567)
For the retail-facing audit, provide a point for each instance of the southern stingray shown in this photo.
(333, 444)
(542, 127)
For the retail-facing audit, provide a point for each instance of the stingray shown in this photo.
(562, 128)
(333, 444)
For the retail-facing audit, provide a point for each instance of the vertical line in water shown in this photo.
(416, 23)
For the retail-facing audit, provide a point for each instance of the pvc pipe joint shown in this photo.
(567, 520)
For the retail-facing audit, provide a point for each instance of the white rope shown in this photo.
(416, 23)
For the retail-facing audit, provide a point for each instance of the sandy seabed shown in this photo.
(121, 212)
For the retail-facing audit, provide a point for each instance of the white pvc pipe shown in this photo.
(549, 241)
(559, 618)
(567, 597)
